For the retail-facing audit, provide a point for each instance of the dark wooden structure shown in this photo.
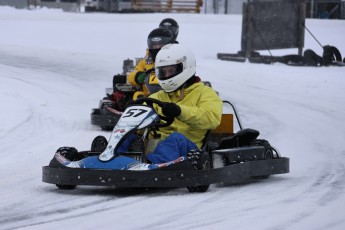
(268, 24)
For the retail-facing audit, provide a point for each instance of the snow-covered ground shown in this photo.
(54, 68)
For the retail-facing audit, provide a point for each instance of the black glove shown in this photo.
(171, 110)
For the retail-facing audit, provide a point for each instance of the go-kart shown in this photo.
(111, 107)
(224, 157)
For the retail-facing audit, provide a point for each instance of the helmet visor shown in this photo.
(158, 42)
(169, 71)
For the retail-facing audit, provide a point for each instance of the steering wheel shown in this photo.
(150, 101)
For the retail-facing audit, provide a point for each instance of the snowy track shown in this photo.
(50, 81)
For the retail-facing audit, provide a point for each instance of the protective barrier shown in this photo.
(270, 25)
(20, 4)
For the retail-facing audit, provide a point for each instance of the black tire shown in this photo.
(99, 144)
(203, 163)
(267, 155)
(331, 54)
(69, 153)
(137, 145)
(66, 187)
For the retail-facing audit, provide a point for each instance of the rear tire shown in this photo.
(203, 162)
(267, 155)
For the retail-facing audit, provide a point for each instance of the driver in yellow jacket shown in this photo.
(144, 73)
(195, 108)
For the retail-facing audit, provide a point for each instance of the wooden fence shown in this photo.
(177, 6)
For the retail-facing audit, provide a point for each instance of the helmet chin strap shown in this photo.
(193, 79)
(182, 93)
(185, 85)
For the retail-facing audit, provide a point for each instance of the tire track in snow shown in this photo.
(71, 211)
(324, 190)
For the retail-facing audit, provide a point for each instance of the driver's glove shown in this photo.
(140, 77)
(171, 110)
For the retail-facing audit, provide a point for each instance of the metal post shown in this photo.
(249, 32)
(226, 7)
(214, 6)
(311, 8)
(301, 25)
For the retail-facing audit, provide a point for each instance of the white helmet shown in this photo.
(175, 64)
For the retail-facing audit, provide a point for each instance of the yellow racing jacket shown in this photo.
(201, 110)
(151, 82)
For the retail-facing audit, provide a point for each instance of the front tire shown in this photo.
(99, 144)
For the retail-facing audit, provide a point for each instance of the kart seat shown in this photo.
(119, 79)
(225, 129)
(239, 139)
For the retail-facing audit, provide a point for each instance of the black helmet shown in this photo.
(157, 39)
(170, 24)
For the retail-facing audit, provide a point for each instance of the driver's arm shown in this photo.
(201, 111)
(205, 114)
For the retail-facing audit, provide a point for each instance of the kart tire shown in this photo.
(267, 155)
(69, 153)
(137, 145)
(99, 144)
(66, 187)
(204, 162)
